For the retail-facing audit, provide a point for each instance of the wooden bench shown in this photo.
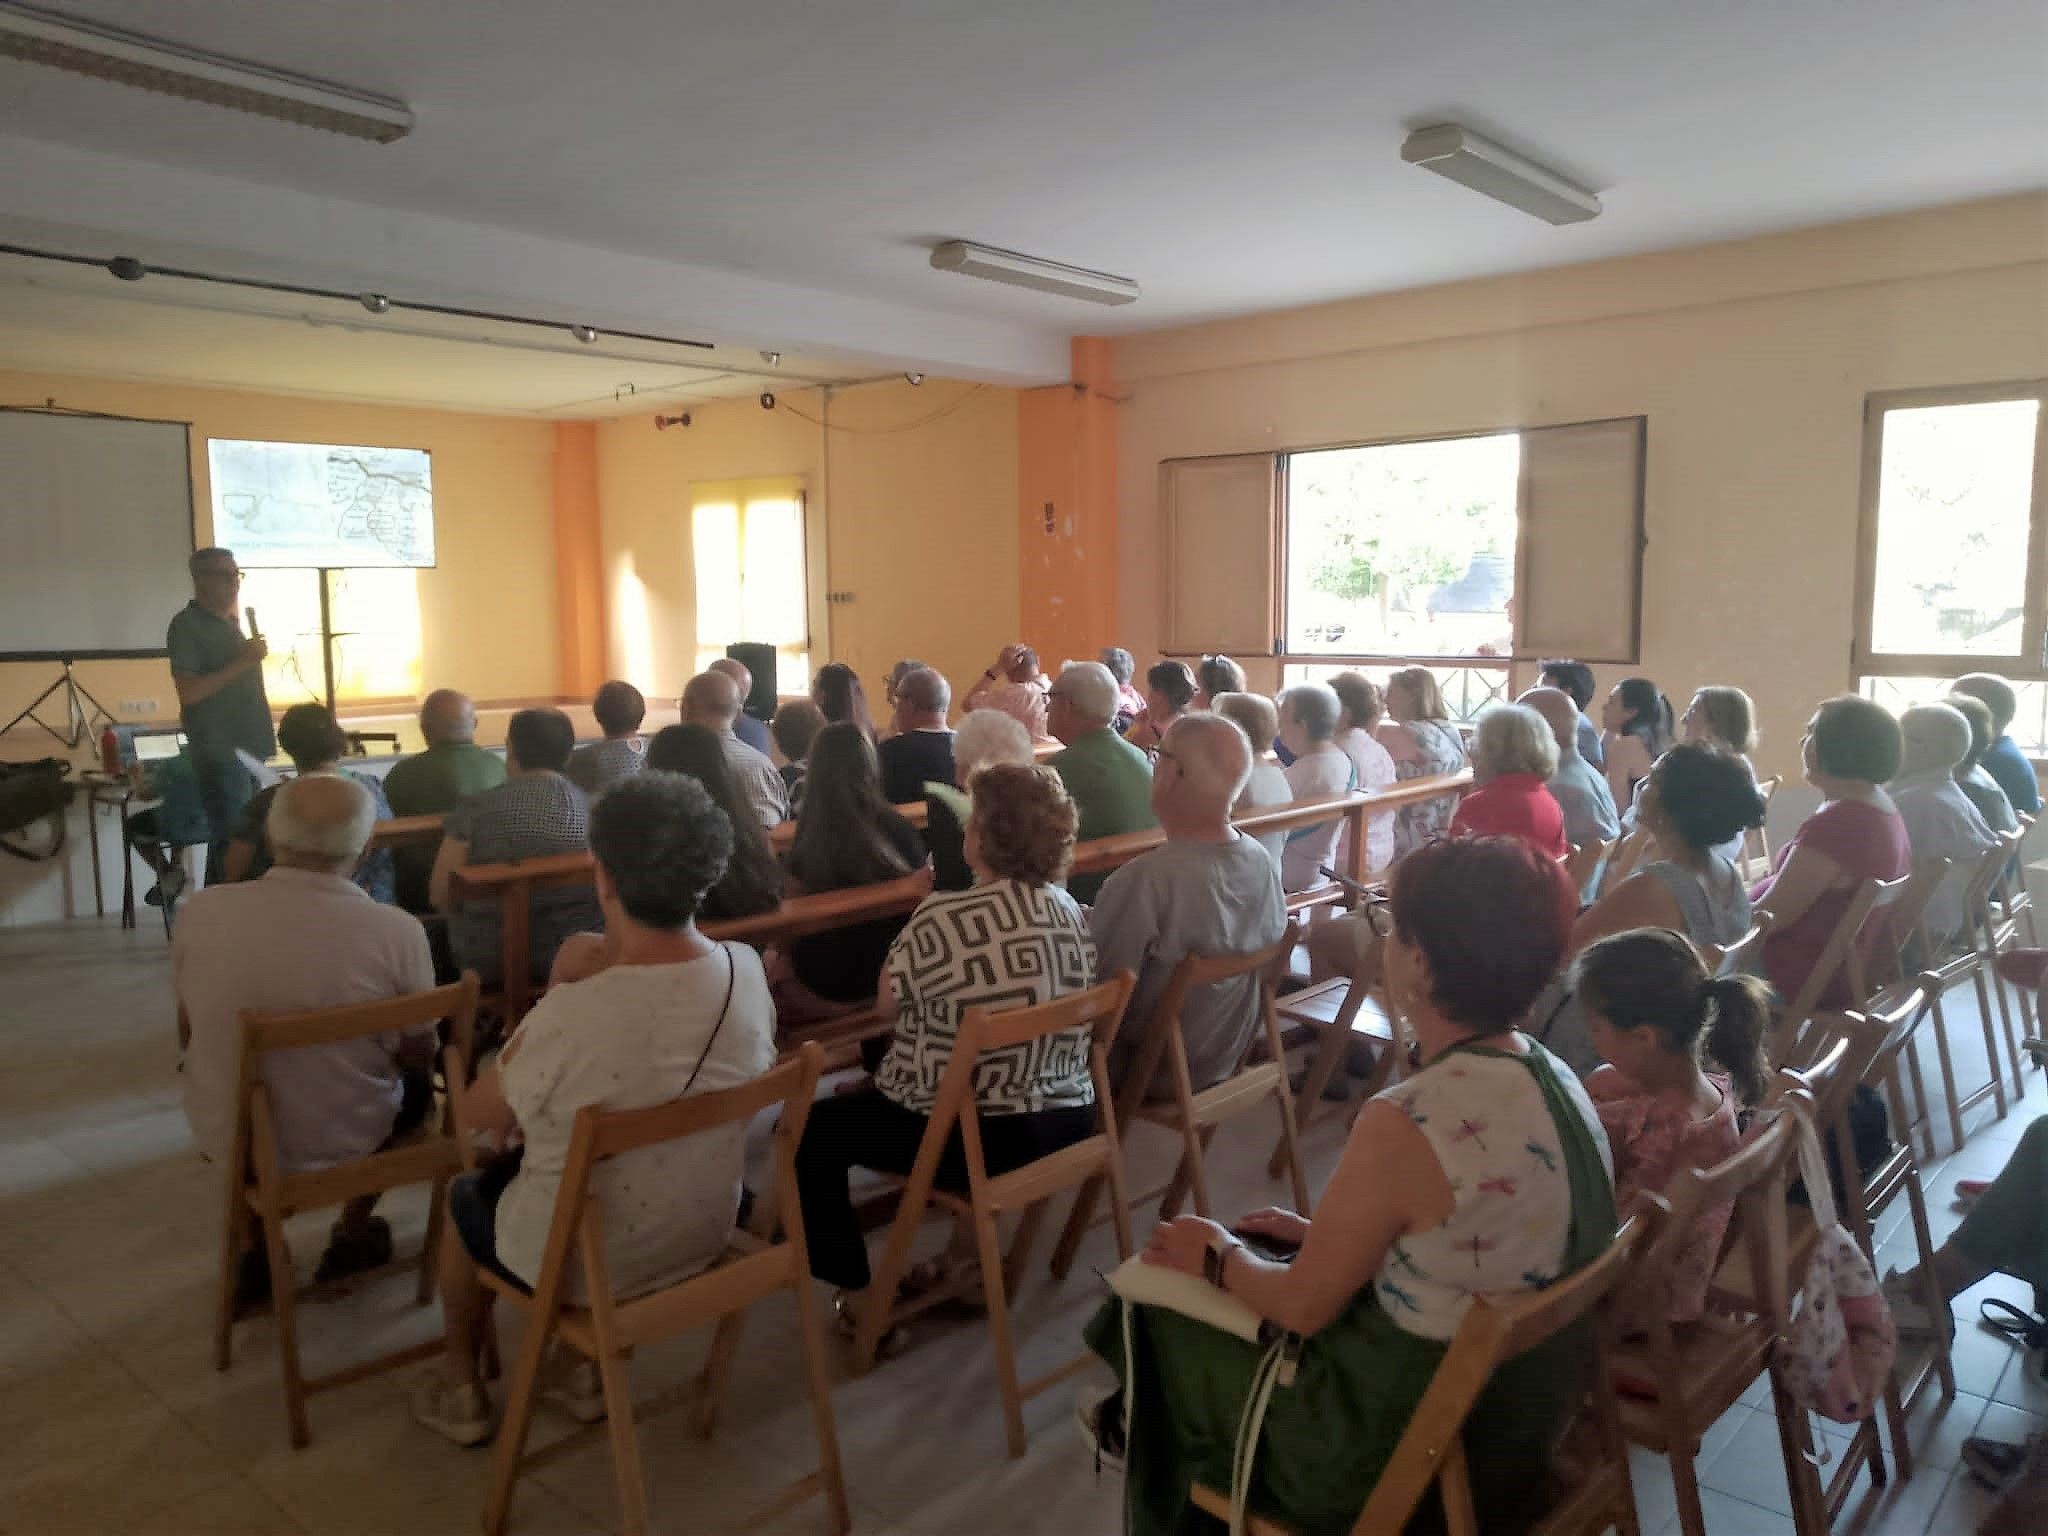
(511, 886)
(413, 831)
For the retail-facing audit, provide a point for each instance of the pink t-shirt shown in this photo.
(1868, 843)
(1514, 805)
(1653, 1140)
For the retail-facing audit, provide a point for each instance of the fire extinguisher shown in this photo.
(110, 750)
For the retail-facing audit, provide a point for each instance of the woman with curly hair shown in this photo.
(1013, 939)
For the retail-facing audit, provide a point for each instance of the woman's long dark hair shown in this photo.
(753, 880)
(839, 836)
(1651, 711)
(837, 692)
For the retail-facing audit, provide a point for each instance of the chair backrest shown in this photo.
(1163, 1041)
(1833, 956)
(1494, 1330)
(1822, 1065)
(1888, 952)
(1997, 871)
(1756, 842)
(1745, 957)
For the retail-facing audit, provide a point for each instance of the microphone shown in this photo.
(255, 631)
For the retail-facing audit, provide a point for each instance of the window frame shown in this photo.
(742, 493)
(2030, 664)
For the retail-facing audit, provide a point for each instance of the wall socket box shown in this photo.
(139, 709)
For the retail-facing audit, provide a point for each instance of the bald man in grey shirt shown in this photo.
(1209, 890)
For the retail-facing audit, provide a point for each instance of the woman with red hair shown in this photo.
(1504, 1184)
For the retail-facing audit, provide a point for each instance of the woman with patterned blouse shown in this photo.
(1013, 939)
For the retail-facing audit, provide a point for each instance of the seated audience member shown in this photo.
(1581, 792)
(752, 882)
(1267, 787)
(837, 692)
(1940, 821)
(2004, 760)
(1423, 743)
(1695, 801)
(1207, 890)
(176, 819)
(1123, 666)
(677, 1015)
(1978, 787)
(1016, 686)
(1169, 694)
(748, 729)
(1637, 722)
(1720, 716)
(1656, 1010)
(1109, 780)
(434, 782)
(985, 737)
(1360, 711)
(314, 740)
(619, 708)
(534, 814)
(1012, 940)
(847, 836)
(1513, 755)
(1504, 1185)
(920, 749)
(301, 938)
(1852, 747)
(1214, 675)
(890, 696)
(1574, 679)
(795, 727)
(712, 700)
(1308, 729)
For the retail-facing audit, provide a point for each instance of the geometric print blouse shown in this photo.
(1002, 944)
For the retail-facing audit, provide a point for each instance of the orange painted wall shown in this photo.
(579, 560)
(1067, 510)
(494, 530)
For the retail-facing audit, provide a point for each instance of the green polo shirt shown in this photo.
(1111, 784)
(441, 778)
(200, 643)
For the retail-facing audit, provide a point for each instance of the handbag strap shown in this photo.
(732, 974)
(1813, 1168)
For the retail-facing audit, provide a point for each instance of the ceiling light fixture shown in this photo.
(584, 333)
(913, 379)
(375, 303)
(1465, 157)
(37, 36)
(1000, 266)
(771, 358)
(128, 269)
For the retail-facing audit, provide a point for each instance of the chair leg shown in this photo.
(1291, 1141)
(234, 1237)
(285, 1303)
(818, 1376)
(880, 1301)
(1021, 1242)
(999, 1328)
(625, 1439)
(1692, 1519)
(1077, 1226)
(1990, 1038)
(711, 1381)
(1925, 1105)
(1948, 1075)
(1802, 1476)
(510, 1450)
(1923, 1248)
(2012, 1039)
(430, 1249)
(1331, 1044)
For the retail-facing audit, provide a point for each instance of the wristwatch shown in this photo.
(1216, 1256)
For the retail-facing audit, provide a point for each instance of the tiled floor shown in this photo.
(113, 1419)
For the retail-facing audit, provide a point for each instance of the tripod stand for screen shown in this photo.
(78, 718)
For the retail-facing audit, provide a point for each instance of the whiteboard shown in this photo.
(315, 504)
(95, 533)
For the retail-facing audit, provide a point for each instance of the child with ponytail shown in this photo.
(1654, 1010)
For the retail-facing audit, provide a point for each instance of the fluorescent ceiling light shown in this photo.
(1500, 173)
(1030, 272)
(128, 58)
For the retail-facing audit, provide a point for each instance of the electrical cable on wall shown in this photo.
(907, 426)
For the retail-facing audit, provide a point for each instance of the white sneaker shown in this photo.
(574, 1385)
(461, 1413)
(1906, 1298)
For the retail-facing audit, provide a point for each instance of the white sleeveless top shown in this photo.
(1485, 1119)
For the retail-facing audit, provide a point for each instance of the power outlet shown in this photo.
(143, 709)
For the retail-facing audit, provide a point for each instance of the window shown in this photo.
(747, 538)
(1950, 568)
(1453, 549)
(373, 614)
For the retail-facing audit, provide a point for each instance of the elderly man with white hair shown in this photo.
(712, 700)
(1580, 790)
(749, 730)
(303, 937)
(1108, 779)
(919, 749)
(1318, 767)
(1940, 821)
(1208, 890)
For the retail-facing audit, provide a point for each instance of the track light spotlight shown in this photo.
(128, 269)
(663, 423)
(584, 333)
(375, 303)
(767, 401)
(914, 379)
(771, 358)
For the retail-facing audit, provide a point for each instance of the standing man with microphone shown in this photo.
(221, 703)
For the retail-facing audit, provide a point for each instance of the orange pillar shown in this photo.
(1067, 511)
(579, 562)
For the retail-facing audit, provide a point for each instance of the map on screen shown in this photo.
(318, 504)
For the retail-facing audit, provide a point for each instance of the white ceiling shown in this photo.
(791, 162)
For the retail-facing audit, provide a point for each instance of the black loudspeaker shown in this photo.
(760, 660)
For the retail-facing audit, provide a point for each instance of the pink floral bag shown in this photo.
(1838, 1352)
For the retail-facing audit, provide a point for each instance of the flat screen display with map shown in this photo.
(322, 504)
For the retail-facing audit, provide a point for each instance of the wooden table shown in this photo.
(98, 788)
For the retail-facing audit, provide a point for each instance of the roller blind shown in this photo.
(1579, 572)
(1221, 556)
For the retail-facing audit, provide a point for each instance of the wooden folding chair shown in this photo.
(1756, 842)
(607, 1330)
(1969, 958)
(1431, 1451)
(1851, 933)
(1193, 1115)
(1098, 1011)
(1676, 1381)
(257, 1188)
(2007, 922)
